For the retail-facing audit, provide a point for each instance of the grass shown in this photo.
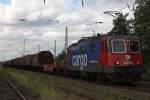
(48, 87)
(38, 82)
(146, 74)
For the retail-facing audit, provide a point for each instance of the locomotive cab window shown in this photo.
(134, 46)
(118, 46)
(93, 47)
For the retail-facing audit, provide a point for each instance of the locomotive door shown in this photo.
(93, 53)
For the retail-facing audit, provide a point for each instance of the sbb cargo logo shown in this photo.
(79, 60)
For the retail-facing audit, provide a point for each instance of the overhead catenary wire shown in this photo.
(83, 3)
(44, 2)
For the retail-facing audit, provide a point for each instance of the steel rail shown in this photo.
(16, 90)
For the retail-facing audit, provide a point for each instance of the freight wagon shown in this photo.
(32, 61)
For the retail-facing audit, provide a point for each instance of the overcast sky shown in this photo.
(41, 26)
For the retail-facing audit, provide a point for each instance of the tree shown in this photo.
(142, 22)
(60, 59)
(142, 29)
(121, 25)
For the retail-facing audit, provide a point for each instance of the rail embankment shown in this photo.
(58, 88)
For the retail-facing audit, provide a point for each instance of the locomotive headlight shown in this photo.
(137, 62)
(117, 63)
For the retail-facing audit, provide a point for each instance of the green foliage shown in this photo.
(121, 25)
(142, 22)
(60, 59)
(142, 29)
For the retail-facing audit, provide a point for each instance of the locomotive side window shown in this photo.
(93, 47)
(118, 46)
(134, 46)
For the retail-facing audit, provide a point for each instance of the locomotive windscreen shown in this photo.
(118, 46)
(134, 46)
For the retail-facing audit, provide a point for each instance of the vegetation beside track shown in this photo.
(146, 74)
(57, 88)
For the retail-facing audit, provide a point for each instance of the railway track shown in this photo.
(141, 86)
(8, 91)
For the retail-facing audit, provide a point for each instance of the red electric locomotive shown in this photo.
(117, 58)
(121, 57)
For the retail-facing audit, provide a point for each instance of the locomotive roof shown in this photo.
(94, 38)
(121, 36)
